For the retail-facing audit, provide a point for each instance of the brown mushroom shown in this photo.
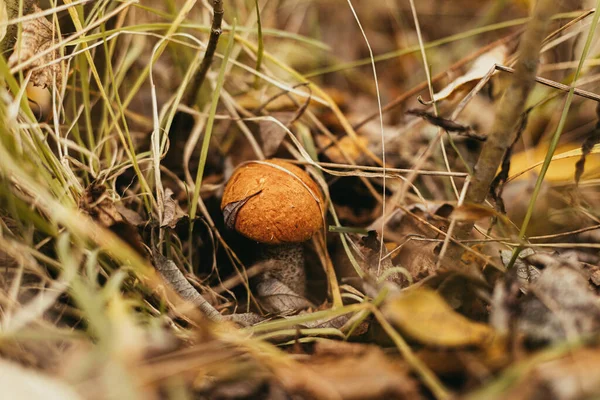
(278, 205)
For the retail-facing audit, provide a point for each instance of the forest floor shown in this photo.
(299, 199)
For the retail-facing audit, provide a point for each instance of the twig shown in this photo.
(213, 40)
(556, 85)
(510, 108)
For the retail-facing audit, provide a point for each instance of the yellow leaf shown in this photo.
(423, 315)
(562, 167)
(345, 146)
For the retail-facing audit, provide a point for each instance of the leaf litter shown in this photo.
(377, 311)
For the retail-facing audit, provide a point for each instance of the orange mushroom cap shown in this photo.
(273, 202)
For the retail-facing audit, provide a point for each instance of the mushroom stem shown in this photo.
(288, 265)
(281, 287)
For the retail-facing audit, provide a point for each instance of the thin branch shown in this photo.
(512, 105)
(213, 40)
(556, 85)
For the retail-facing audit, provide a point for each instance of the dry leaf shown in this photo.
(130, 216)
(276, 297)
(406, 228)
(572, 376)
(38, 35)
(559, 302)
(423, 315)
(345, 146)
(272, 134)
(481, 67)
(563, 165)
(103, 209)
(231, 210)
(370, 248)
(172, 212)
(475, 212)
(347, 371)
(525, 273)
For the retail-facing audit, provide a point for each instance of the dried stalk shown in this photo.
(213, 40)
(511, 106)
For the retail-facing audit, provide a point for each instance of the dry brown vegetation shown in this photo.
(298, 199)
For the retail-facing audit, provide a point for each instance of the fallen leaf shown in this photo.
(272, 134)
(339, 370)
(370, 248)
(130, 216)
(172, 212)
(345, 147)
(39, 35)
(407, 227)
(99, 205)
(231, 210)
(475, 212)
(525, 272)
(481, 67)
(568, 375)
(559, 304)
(423, 315)
(276, 297)
(562, 167)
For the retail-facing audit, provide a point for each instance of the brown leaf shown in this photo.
(271, 134)
(38, 35)
(172, 213)
(570, 376)
(231, 210)
(103, 209)
(345, 147)
(423, 315)
(130, 216)
(524, 271)
(475, 212)
(406, 227)
(341, 370)
(275, 296)
(558, 304)
(370, 247)
(480, 68)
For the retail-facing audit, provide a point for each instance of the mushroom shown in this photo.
(278, 205)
